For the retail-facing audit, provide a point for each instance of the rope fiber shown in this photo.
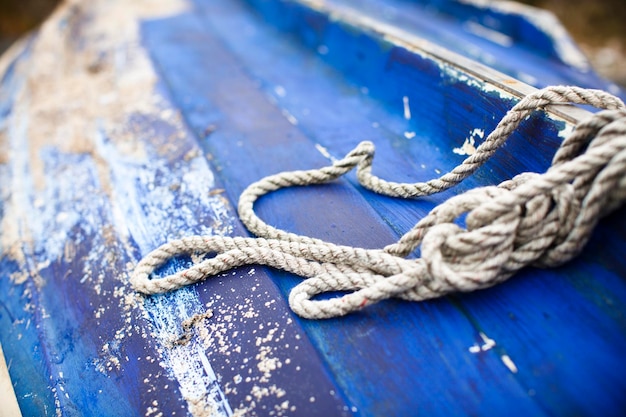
(533, 219)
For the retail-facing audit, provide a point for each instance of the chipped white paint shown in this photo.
(409, 135)
(188, 363)
(506, 360)
(407, 108)
(487, 344)
(566, 131)
(474, 349)
(468, 79)
(467, 148)
(469, 145)
(290, 117)
(321, 149)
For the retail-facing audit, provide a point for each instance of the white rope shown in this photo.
(542, 220)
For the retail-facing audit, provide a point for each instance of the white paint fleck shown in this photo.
(474, 349)
(280, 91)
(506, 360)
(488, 343)
(566, 131)
(324, 151)
(409, 135)
(290, 117)
(407, 108)
(468, 147)
(478, 133)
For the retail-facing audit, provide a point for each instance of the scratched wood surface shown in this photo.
(125, 125)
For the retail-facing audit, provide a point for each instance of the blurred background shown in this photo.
(598, 26)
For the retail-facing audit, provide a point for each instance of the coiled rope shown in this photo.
(532, 219)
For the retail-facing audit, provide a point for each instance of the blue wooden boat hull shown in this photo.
(125, 126)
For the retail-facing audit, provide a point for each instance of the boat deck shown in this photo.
(127, 126)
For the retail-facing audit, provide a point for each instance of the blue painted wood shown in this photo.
(224, 111)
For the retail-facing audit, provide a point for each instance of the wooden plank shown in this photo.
(9, 408)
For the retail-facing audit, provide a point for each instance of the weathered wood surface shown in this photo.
(125, 125)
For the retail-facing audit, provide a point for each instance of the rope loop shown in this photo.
(532, 219)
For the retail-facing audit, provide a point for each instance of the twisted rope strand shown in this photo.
(532, 219)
